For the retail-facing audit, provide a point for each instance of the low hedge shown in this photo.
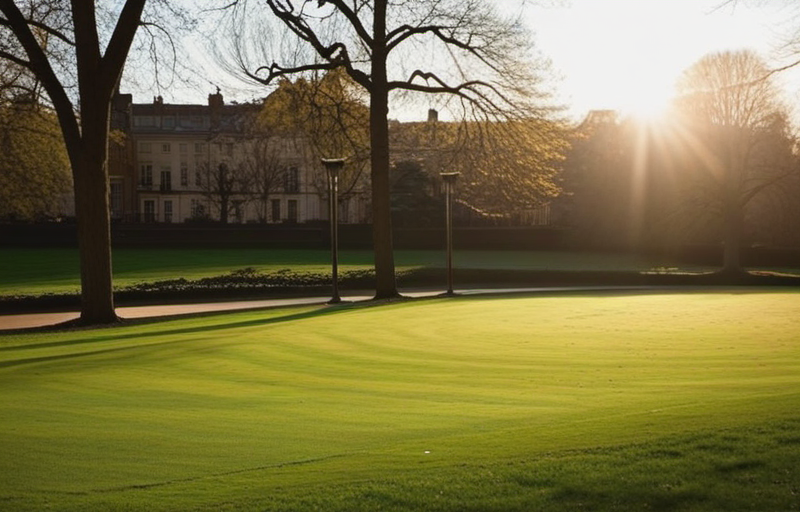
(248, 283)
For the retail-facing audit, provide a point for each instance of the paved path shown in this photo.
(27, 321)
(30, 320)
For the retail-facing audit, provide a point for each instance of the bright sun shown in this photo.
(647, 101)
(631, 52)
(645, 97)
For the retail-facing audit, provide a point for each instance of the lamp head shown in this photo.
(449, 177)
(333, 165)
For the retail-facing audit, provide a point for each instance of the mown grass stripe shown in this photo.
(464, 404)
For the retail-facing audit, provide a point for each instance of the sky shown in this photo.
(616, 54)
(627, 54)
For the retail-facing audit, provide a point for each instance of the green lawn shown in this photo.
(619, 402)
(37, 271)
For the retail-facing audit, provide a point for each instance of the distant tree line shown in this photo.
(722, 170)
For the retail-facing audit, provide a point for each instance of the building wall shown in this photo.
(173, 152)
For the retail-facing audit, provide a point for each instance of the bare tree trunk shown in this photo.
(94, 235)
(223, 210)
(385, 285)
(90, 175)
(86, 134)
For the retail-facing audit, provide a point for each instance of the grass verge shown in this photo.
(47, 279)
(659, 401)
(40, 271)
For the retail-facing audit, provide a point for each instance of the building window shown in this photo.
(145, 147)
(291, 213)
(167, 211)
(143, 121)
(116, 199)
(146, 175)
(166, 147)
(184, 174)
(199, 147)
(168, 122)
(166, 179)
(291, 177)
(183, 148)
(229, 149)
(149, 210)
(198, 178)
(238, 211)
(276, 210)
(198, 210)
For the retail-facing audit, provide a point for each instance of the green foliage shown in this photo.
(329, 113)
(34, 169)
(562, 403)
(251, 278)
(512, 164)
(326, 108)
(505, 166)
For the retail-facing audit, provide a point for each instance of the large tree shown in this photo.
(58, 44)
(464, 49)
(74, 52)
(735, 133)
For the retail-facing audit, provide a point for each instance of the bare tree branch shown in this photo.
(40, 65)
(355, 21)
(13, 58)
(486, 67)
(43, 26)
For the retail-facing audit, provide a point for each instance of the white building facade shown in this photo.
(194, 163)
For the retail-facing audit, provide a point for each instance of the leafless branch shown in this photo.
(352, 17)
(45, 27)
(13, 58)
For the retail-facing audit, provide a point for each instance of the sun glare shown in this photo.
(639, 95)
(646, 103)
(625, 55)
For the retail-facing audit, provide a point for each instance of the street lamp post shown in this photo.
(333, 166)
(449, 183)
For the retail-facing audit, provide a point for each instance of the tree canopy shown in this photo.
(736, 138)
(327, 111)
(34, 168)
(67, 50)
(466, 50)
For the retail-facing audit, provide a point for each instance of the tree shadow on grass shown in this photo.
(113, 333)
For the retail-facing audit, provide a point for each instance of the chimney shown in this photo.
(433, 115)
(215, 104)
(215, 100)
